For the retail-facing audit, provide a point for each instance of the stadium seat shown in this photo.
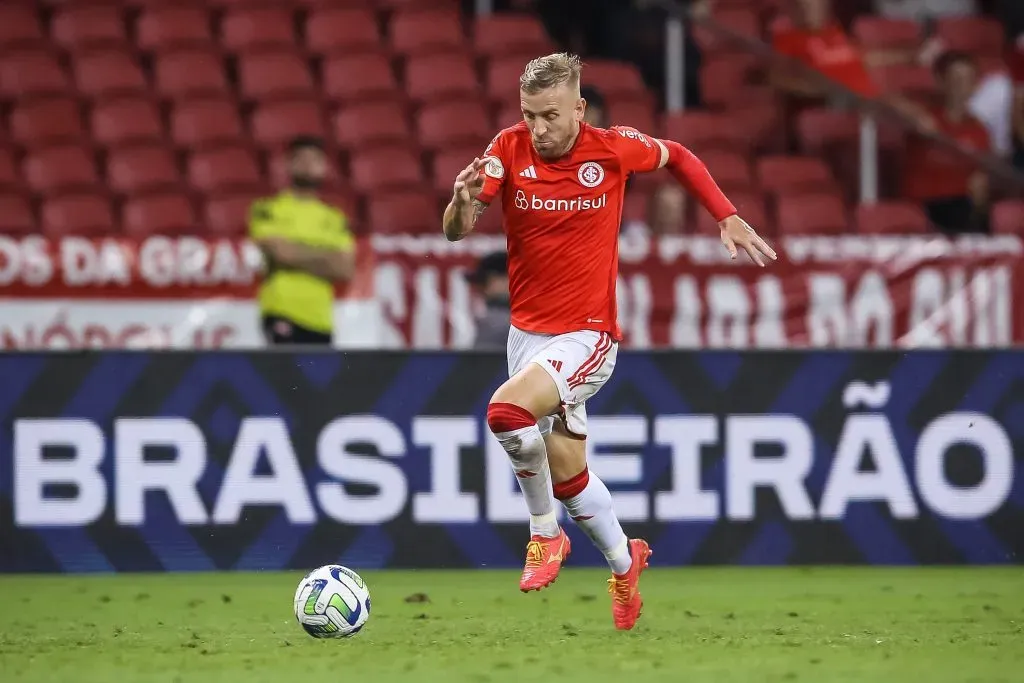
(508, 115)
(407, 211)
(444, 124)
(385, 168)
(421, 32)
(78, 214)
(340, 30)
(10, 176)
(787, 174)
(702, 130)
(628, 112)
(730, 169)
(763, 122)
(181, 75)
(31, 73)
(121, 122)
(820, 128)
(1008, 217)
(505, 33)
(108, 74)
(891, 218)
(724, 79)
(907, 79)
(615, 79)
(359, 78)
(54, 170)
(811, 214)
(502, 79)
(37, 123)
(274, 124)
(879, 33)
(742, 20)
(17, 214)
(364, 125)
(79, 27)
(977, 35)
(448, 163)
(274, 75)
(19, 27)
(161, 28)
(159, 214)
(138, 170)
(751, 207)
(203, 123)
(226, 169)
(245, 29)
(228, 215)
(440, 77)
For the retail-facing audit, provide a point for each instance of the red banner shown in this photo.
(411, 292)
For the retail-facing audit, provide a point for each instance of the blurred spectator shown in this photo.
(954, 195)
(596, 113)
(491, 281)
(1017, 116)
(921, 10)
(307, 247)
(996, 105)
(667, 214)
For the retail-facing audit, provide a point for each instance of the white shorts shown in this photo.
(579, 362)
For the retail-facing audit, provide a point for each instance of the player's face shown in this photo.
(553, 117)
(308, 167)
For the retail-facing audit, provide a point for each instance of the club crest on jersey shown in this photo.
(494, 168)
(591, 174)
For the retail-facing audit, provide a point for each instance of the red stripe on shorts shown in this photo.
(593, 363)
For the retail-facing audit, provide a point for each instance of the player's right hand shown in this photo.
(469, 182)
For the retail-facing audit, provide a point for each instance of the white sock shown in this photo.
(525, 448)
(591, 509)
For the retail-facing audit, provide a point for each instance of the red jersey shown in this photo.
(562, 222)
(831, 52)
(932, 172)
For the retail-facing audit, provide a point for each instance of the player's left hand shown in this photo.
(736, 232)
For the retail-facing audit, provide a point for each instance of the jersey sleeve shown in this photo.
(494, 171)
(261, 219)
(638, 152)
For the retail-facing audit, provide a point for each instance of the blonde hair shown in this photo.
(550, 71)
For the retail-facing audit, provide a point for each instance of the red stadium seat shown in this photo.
(639, 115)
(502, 34)
(274, 124)
(1008, 217)
(249, 28)
(341, 30)
(229, 214)
(36, 123)
(78, 27)
(502, 79)
(976, 35)
(138, 170)
(421, 32)
(440, 77)
(121, 122)
(365, 125)
(180, 75)
(786, 174)
(409, 211)
(226, 169)
(161, 28)
(811, 214)
(751, 208)
(78, 214)
(10, 175)
(508, 115)
(31, 73)
(20, 27)
(203, 123)
(386, 168)
(701, 130)
(444, 124)
(60, 169)
(359, 78)
(907, 79)
(724, 79)
(160, 214)
(818, 129)
(875, 33)
(615, 79)
(275, 75)
(16, 212)
(891, 218)
(108, 74)
(729, 169)
(741, 20)
(449, 163)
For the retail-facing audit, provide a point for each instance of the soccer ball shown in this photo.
(332, 602)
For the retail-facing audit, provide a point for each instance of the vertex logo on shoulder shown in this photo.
(535, 203)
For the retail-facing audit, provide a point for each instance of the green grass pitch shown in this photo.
(699, 625)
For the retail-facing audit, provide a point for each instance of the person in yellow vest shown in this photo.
(307, 247)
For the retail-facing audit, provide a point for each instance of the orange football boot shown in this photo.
(627, 604)
(544, 558)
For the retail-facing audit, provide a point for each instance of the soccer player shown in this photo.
(561, 186)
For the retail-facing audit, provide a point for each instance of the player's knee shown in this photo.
(505, 417)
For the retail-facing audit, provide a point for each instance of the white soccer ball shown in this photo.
(332, 602)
